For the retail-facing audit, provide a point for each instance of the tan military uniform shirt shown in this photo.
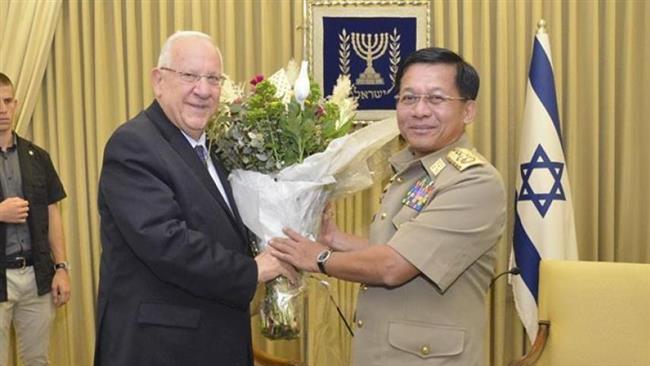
(444, 213)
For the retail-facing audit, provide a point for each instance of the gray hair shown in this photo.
(165, 57)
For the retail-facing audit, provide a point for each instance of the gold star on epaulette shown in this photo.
(463, 158)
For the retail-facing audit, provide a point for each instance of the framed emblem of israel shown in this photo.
(365, 40)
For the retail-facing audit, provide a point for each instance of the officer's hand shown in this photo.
(297, 250)
(328, 228)
(61, 287)
(14, 210)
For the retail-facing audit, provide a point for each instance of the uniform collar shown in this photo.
(405, 158)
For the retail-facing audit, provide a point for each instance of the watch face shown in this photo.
(322, 258)
(324, 255)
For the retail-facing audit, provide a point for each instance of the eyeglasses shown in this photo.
(188, 77)
(431, 99)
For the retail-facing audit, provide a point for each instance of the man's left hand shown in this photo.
(61, 287)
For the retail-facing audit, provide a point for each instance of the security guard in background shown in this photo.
(429, 259)
(33, 268)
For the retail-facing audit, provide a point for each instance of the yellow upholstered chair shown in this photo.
(593, 314)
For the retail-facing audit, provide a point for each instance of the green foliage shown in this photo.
(263, 134)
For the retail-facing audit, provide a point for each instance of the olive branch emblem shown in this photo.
(394, 54)
(344, 52)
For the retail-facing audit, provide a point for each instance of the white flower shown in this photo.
(341, 90)
(341, 97)
(292, 70)
(230, 91)
(282, 86)
(301, 87)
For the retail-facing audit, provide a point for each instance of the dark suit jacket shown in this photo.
(176, 274)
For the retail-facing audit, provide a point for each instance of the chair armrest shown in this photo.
(536, 350)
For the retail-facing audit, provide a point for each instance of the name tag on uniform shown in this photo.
(420, 194)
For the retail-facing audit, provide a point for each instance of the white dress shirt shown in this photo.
(211, 169)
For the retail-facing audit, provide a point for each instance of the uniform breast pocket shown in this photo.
(426, 340)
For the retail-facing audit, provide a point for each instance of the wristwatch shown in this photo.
(322, 258)
(62, 265)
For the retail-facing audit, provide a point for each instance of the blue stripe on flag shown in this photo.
(526, 256)
(542, 79)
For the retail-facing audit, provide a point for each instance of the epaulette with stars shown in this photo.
(462, 158)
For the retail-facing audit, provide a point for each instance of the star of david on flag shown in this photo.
(542, 200)
(544, 224)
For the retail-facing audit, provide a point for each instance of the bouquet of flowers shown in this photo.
(289, 151)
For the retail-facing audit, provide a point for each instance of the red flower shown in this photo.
(320, 111)
(257, 79)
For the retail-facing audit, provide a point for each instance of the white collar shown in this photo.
(193, 142)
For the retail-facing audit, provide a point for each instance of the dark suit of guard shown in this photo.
(176, 273)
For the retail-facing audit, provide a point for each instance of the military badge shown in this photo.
(463, 158)
(420, 194)
(437, 167)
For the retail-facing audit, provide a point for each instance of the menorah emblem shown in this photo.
(369, 47)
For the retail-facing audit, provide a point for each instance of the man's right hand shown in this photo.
(14, 210)
(269, 267)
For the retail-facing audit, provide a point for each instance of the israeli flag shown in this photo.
(544, 226)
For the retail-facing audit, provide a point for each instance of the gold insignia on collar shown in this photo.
(463, 158)
(437, 167)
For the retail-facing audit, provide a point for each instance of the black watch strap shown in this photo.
(62, 265)
(321, 267)
(322, 259)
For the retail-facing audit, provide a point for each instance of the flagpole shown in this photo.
(541, 26)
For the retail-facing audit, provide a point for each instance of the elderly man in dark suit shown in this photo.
(176, 274)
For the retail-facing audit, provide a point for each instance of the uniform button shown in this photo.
(359, 323)
(424, 350)
(383, 215)
(399, 179)
(364, 288)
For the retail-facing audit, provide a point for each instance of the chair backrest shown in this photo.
(599, 313)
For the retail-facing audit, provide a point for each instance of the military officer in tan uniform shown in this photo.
(426, 267)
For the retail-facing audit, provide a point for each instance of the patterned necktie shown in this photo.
(203, 155)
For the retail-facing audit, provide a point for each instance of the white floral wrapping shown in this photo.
(295, 198)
